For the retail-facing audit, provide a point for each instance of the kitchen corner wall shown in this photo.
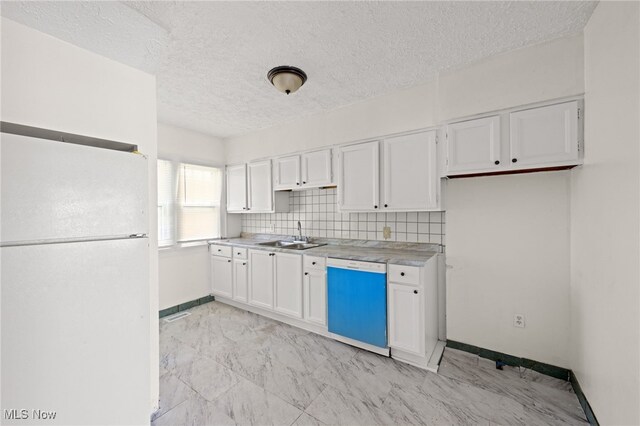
(605, 225)
(317, 211)
(184, 271)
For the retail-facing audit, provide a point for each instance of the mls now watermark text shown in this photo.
(24, 414)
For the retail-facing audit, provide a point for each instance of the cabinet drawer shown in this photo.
(239, 253)
(315, 262)
(217, 250)
(404, 274)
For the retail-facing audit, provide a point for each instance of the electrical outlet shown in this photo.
(386, 232)
(518, 321)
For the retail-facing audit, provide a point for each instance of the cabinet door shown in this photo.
(221, 273)
(474, 145)
(316, 168)
(236, 188)
(261, 278)
(287, 172)
(406, 318)
(240, 282)
(358, 181)
(541, 136)
(315, 296)
(288, 284)
(410, 175)
(260, 188)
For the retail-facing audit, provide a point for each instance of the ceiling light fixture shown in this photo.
(287, 79)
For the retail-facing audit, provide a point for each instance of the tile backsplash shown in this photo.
(317, 211)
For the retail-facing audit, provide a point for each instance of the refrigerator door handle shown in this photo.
(138, 236)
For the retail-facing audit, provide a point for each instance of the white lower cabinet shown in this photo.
(406, 317)
(288, 284)
(221, 276)
(240, 280)
(261, 278)
(315, 295)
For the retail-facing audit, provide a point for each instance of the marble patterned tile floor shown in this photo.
(225, 366)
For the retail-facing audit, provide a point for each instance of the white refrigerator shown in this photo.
(74, 273)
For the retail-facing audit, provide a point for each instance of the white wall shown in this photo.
(508, 247)
(184, 271)
(399, 111)
(546, 71)
(51, 84)
(605, 213)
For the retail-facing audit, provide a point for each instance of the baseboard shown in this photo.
(540, 367)
(184, 306)
(583, 400)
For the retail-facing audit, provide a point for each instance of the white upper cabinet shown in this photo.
(544, 135)
(260, 190)
(307, 170)
(474, 145)
(316, 168)
(237, 188)
(529, 139)
(358, 181)
(410, 172)
(286, 171)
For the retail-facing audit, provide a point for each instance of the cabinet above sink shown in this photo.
(303, 171)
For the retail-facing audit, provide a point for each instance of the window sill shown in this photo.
(186, 244)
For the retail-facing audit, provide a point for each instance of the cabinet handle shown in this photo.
(304, 182)
(375, 207)
(402, 274)
(219, 249)
(244, 263)
(248, 208)
(229, 260)
(514, 160)
(238, 253)
(496, 162)
(386, 205)
(415, 291)
(306, 273)
(297, 183)
(313, 263)
(272, 254)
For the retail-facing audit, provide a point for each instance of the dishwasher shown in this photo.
(357, 303)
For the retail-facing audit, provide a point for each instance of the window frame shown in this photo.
(176, 163)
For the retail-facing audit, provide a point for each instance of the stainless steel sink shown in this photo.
(291, 245)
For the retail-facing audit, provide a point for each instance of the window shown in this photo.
(188, 202)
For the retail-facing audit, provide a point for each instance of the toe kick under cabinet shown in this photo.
(412, 311)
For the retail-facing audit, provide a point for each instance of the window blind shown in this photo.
(189, 199)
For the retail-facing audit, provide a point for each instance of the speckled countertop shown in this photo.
(410, 254)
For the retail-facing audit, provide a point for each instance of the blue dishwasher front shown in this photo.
(357, 301)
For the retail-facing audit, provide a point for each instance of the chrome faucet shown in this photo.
(300, 237)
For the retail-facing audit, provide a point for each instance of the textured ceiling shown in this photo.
(211, 58)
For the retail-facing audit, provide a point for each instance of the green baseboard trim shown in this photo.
(184, 306)
(591, 417)
(540, 367)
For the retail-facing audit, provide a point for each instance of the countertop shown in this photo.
(392, 253)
